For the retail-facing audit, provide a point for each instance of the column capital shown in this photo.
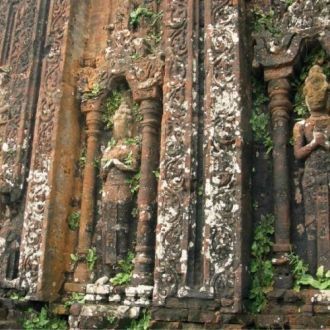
(280, 105)
(146, 78)
(92, 104)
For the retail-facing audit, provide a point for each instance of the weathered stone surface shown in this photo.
(69, 213)
(219, 268)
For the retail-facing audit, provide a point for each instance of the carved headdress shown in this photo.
(123, 121)
(315, 89)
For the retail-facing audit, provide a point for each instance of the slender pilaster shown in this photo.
(280, 107)
(147, 196)
(93, 120)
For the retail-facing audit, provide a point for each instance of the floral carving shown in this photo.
(19, 113)
(222, 158)
(174, 200)
(38, 188)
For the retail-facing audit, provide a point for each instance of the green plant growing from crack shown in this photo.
(143, 323)
(152, 19)
(112, 103)
(91, 258)
(18, 296)
(74, 298)
(125, 273)
(265, 21)
(73, 220)
(95, 92)
(42, 320)
(260, 121)
(134, 183)
(261, 267)
(302, 278)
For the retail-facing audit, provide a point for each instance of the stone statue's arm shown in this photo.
(135, 165)
(301, 151)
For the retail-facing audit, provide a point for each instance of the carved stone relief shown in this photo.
(38, 182)
(302, 29)
(221, 273)
(119, 163)
(174, 201)
(19, 56)
(311, 143)
(138, 61)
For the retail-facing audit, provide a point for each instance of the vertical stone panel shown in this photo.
(223, 153)
(176, 201)
(224, 188)
(22, 41)
(20, 66)
(56, 137)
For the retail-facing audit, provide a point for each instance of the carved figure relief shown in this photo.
(119, 163)
(312, 144)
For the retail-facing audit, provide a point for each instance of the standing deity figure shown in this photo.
(311, 143)
(119, 163)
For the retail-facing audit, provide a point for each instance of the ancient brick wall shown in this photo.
(145, 144)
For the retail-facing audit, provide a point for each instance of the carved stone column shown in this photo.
(280, 107)
(92, 108)
(143, 270)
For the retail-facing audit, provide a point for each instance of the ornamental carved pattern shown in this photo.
(17, 127)
(222, 165)
(174, 204)
(3, 19)
(38, 188)
(127, 56)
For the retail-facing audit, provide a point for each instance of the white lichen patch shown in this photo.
(307, 14)
(222, 194)
(30, 270)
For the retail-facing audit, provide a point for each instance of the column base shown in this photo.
(81, 273)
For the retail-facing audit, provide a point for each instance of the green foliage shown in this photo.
(82, 158)
(136, 56)
(111, 319)
(142, 323)
(315, 56)
(287, 2)
(132, 141)
(91, 258)
(43, 320)
(111, 105)
(17, 296)
(111, 143)
(75, 298)
(152, 20)
(128, 161)
(260, 121)
(261, 267)
(125, 270)
(134, 182)
(7, 69)
(135, 212)
(301, 276)
(96, 91)
(74, 258)
(97, 163)
(136, 112)
(265, 21)
(148, 15)
(73, 220)
(156, 174)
